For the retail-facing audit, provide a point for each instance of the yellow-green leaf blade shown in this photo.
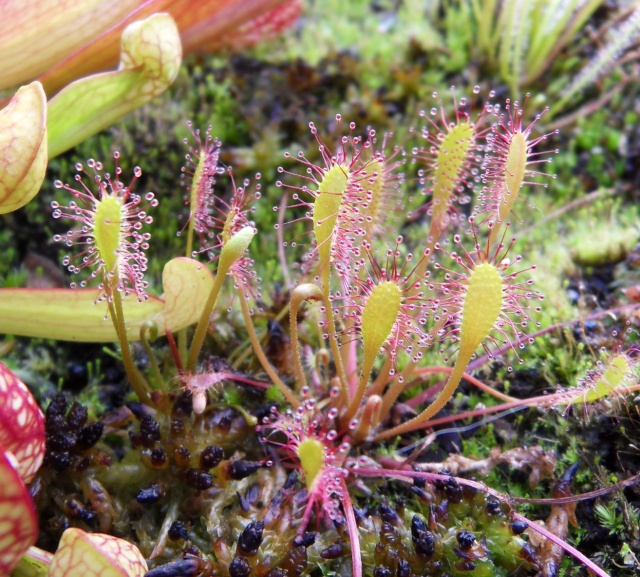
(187, 284)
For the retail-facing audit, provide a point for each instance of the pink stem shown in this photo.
(418, 400)
(306, 517)
(563, 544)
(239, 379)
(174, 349)
(352, 528)
(404, 475)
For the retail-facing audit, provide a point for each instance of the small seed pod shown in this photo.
(518, 527)
(56, 423)
(421, 494)
(151, 493)
(466, 539)
(149, 431)
(76, 510)
(420, 483)
(265, 411)
(387, 533)
(178, 530)
(158, 458)
(139, 410)
(305, 540)
(332, 551)
(493, 507)
(89, 436)
(77, 416)
(251, 538)
(441, 511)
(189, 567)
(211, 456)
(183, 405)
(57, 406)
(274, 511)
(423, 539)
(242, 469)
(100, 500)
(389, 515)
(192, 550)
(136, 440)
(198, 479)
(239, 567)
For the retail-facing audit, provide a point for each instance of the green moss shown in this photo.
(603, 233)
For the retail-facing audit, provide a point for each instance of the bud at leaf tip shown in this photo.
(234, 248)
(515, 167)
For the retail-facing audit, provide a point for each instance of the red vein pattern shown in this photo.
(21, 424)
(96, 555)
(18, 523)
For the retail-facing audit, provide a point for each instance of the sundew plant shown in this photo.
(303, 460)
